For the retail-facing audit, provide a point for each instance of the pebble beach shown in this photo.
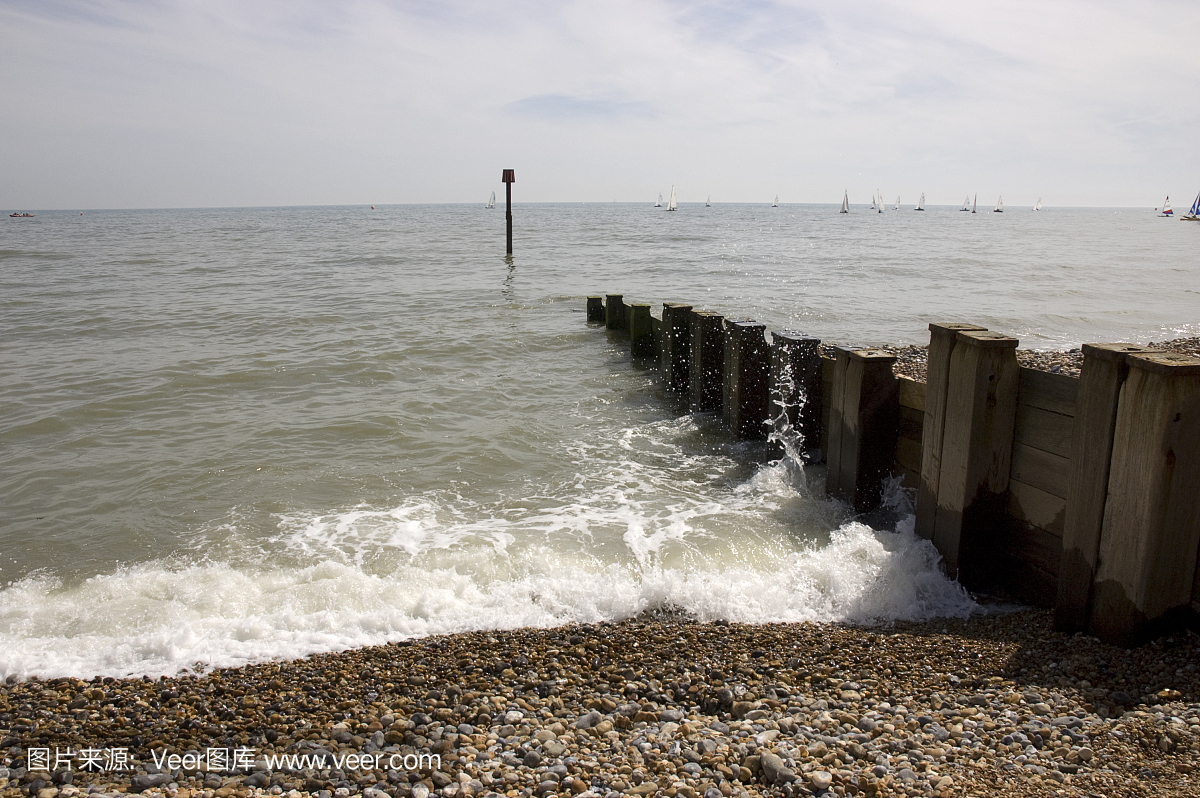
(997, 704)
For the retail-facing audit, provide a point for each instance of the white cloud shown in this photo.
(114, 103)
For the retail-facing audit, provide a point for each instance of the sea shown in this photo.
(241, 434)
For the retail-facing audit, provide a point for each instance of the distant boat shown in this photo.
(708, 202)
(975, 203)
(872, 203)
(775, 204)
(671, 202)
(966, 204)
(1038, 207)
(1193, 214)
(491, 203)
(21, 215)
(897, 206)
(879, 201)
(920, 203)
(659, 203)
(999, 206)
(845, 202)
(1167, 207)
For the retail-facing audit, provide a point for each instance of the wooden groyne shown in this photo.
(1077, 493)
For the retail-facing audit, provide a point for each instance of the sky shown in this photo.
(169, 103)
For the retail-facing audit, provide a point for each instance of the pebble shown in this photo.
(993, 705)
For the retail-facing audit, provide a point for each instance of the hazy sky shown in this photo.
(163, 103)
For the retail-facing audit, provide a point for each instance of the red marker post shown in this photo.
(509, 178)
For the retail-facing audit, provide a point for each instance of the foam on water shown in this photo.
(364, 576)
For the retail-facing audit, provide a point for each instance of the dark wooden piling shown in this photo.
(707, 360)
(863, 426)
(595, 309)
(1151, 528)
(941, 346)
(675, 348)
(1100, 380)
(746, 379)
(614, 312)
(509, 177)
(976, 456)
(796, 385)
(641, 330)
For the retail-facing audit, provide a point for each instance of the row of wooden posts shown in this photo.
(1117, 557)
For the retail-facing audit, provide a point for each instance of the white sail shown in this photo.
(671, 202)
(897, 205)
(659, 203)
(491, 203)
(846, 202)
(1038, 207)
(1193, 214)
(708, 202)
(775, 204)
(878, 201)
(920, 203)
(1166, 211)
(999, 206)
(872, 203)
(966, 204)
(975, 203)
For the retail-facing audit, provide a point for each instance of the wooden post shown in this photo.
(796, 385)
(1151, 523)
(595, 309)
(707, 360)
(1104, 372)
(863, 426)
(641, 331)
(747, 365)
(941, 345)
(614, 312)
(977, 442)
(509, 177)
(676, 346)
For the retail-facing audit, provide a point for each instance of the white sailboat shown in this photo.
(1193, 214)
(1038, 207)
(872, 203)
(775, 204)
(491, 203)
(708, 202)
(966, 204)
(659, 203)
(975, 203)
(897, 205)
(999, 206)
(845, 202)
(879, 201)
(920, 203)
(1166, 211)
(671, 202)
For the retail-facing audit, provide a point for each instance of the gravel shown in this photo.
(994, 705)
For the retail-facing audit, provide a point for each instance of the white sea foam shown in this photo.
(160, 619)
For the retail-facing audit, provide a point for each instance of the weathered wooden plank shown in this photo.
(911, 422)
(746, 384)
(796, 384)
(1048, 391)
(641, 330)
(1151, 530)
(912, 393)
(1041, 469)
(981, 399)
(942, 340)
(1043, 429)
(911, 480)
(1103, 373)
(1035, 506)
(1031, 559)
(864, 427)
(614, 312)
(595, 309)
(707, 361)
(675, 346)
(908, 453)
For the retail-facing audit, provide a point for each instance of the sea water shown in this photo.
(238, 434)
